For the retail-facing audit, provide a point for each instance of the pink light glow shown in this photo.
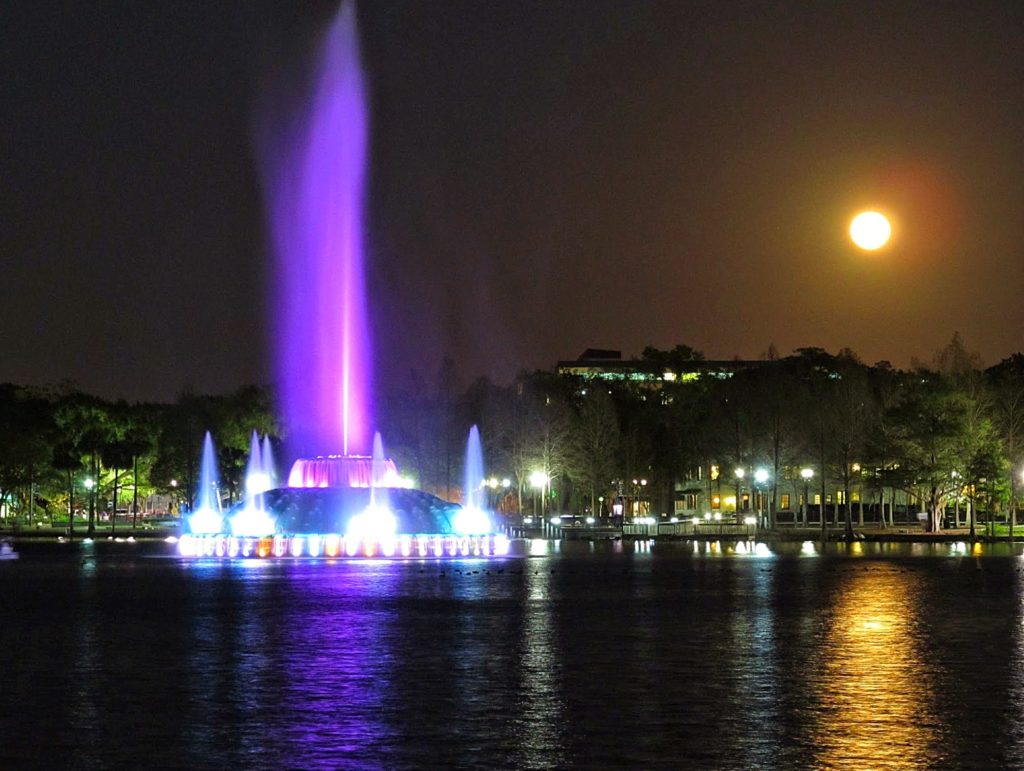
(342, 471)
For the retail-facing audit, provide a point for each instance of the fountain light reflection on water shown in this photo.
(589, 657)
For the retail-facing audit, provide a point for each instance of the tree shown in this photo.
(447, 386)
(852, 418)
(405, 423)
(932, 441)
(593, 443)
(734, 416)
(678, 359)
(24, 426)
(516, 418)
(85, 423)
(886, 386)
(1006, 384)
(773, 390)
(179, 445)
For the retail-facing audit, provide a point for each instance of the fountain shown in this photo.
(252, 518)
(473, 517)
(348, 503)
(267, 457)
(259, 476)
(207, 515)
(473, 473)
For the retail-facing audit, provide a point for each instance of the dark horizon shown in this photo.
(546, 177)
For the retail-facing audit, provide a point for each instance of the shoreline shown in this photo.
(899, 535)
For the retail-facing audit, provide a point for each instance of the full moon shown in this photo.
(870, 230)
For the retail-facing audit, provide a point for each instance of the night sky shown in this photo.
(546, 177)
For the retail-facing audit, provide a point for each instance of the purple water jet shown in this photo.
(314, 189)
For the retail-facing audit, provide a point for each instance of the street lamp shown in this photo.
(539, 481)
(739, 473)
(174, 497)
(90, 485)
(499, 489)
(806, 474)
(761, 478)
(492, 484)
(638, 486)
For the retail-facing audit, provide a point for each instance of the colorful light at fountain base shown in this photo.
(337, 546)
(347, 522)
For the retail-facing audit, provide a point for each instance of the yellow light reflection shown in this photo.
(876, 705)
(539, 665)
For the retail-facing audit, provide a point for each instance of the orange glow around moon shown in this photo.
(870, 230)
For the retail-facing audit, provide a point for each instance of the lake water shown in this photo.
(608, 656)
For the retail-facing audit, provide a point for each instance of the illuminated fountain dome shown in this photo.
(336, 511)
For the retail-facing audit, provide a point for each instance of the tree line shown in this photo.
(939, 433)
(65, 451)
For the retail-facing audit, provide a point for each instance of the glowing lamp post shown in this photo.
(499, 489)
(761, 478)
(539, 481)
(739, 474)
(90, 486)
(807, 474)
(492, 485)
(638, 489)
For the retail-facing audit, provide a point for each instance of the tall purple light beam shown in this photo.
(314, 189)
